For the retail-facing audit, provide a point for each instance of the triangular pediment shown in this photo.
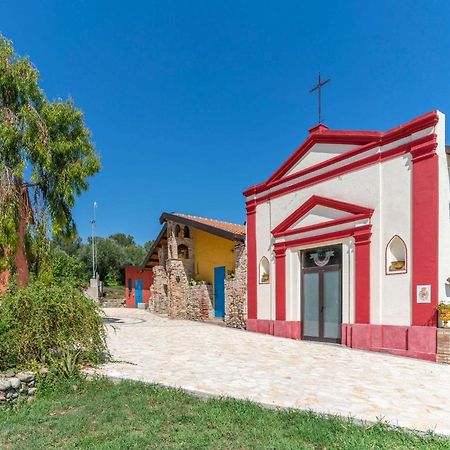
(322, 145)
(320, 212)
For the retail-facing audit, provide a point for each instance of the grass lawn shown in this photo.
(101, 415)
(114, 292)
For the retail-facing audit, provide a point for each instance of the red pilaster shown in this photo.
(362, 275)
(252, 265)
(425, 229)
(280, 282)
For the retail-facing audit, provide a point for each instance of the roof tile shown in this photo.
(227, 226)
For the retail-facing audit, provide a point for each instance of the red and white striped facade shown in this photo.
(358, 189)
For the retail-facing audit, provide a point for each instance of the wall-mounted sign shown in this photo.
(423, 293)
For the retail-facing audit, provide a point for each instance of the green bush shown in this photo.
(49, 324)
(60, 266)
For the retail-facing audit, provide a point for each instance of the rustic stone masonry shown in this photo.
(202, 295)
(443, 345)
(174, 291)
(13, 385)
(159, 291)
(180, 237)
(187, 301)
(236, 291)
(178, 287)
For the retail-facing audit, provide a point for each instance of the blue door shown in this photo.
(138, 292)
(219, 291)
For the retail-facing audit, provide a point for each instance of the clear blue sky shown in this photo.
(191, 102)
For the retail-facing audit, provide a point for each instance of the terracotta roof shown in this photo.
(227, 230)
(226, 226)
(232, 231)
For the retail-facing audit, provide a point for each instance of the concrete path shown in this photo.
(281, 372)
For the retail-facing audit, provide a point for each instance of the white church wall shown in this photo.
(264, 248)
(293, 285)
(395, 204)
(318, 154)
(385, 187)
(359, 187)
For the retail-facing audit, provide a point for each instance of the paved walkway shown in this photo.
(281, 372)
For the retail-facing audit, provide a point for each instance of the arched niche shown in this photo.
(396, 256)
(187, 232)
(177, 231)
(264, 270)
(183, 252)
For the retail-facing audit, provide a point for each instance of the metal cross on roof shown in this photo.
(318, 88)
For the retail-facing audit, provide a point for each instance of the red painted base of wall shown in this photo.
(280, 328)
(414, 341)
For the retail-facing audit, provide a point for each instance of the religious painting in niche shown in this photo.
(423, 293)
(322, 257)
(183, 252)
(396, 256)
(264, 270)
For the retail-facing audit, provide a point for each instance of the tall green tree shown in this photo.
(45, 149)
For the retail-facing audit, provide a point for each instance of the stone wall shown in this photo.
(159, 291)
(13, 385)
(201, 295)
(175, 240)
(173, 292)
(187, 301)
(443, 346)
(178, 290)
(236, 291)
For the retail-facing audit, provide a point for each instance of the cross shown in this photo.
(318, 88)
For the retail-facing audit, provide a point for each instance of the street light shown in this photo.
(94, 255)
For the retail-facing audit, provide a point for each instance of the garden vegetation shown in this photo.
(50, 324)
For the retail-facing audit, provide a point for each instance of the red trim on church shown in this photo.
(362, 235)
(411, 341)
(357, 213)
(280, 282)
(366, 139)
(425, 230)
(338, 171)
(418, 340)
(252, 264)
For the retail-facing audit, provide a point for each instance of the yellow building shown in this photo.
(206, 247)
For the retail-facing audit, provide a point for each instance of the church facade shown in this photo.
(349, 240)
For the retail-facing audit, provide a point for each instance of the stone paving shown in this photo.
(219, 361)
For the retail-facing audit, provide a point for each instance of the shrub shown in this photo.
(59, 266)
(47, 323)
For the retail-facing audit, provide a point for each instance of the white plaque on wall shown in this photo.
(423, 293)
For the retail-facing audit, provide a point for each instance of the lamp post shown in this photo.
(94, 265)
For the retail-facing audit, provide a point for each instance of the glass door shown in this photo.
(322, 294)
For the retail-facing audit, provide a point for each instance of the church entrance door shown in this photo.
(321, 297)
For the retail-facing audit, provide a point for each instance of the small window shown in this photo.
(130, 284)
(186, 232)
(396, 256)
(183, 252)
(177, 231)
(264, 270)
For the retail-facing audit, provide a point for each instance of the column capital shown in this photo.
(251, 207)
(280, 250)
(424, 150)
(363, 235)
